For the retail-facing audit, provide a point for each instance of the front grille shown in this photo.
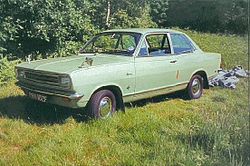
(44, 89)
(42, 77)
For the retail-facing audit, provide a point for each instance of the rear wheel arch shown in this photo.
(195, 87)
(203, 74)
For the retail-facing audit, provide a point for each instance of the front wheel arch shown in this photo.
(118, 95)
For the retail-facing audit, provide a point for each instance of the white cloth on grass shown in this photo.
(228, 78)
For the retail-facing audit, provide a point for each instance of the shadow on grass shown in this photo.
(34, 112)
(157, 99)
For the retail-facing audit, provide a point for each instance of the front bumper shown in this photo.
(63, 98)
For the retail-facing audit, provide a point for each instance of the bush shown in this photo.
(226, 16)
(6, 70)
(122, 20)
(42, 27)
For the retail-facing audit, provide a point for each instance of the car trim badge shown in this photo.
(89, 61)
(29, 58)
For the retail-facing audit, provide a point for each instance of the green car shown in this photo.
(119, 66)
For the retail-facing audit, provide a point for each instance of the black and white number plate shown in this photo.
(38, 97)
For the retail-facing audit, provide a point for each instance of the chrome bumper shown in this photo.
(73, 96)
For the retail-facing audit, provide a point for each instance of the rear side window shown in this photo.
(181, 43)
(158, 45)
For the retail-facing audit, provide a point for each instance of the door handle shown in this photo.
(129, 74)
(173, 61)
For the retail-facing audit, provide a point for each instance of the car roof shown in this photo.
(143, 30)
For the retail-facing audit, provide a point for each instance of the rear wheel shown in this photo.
(102, 104)
(195, 87)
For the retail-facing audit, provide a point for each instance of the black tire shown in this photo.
(195, 87)
(109, 104)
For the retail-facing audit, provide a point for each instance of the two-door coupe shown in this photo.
(119, 66)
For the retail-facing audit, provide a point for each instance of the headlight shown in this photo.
(20, 73)
(65, 81)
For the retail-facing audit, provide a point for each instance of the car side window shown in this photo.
(127, 42)
(181, 43)
(158, 44)
(117, 43)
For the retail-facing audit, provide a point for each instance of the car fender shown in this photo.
(106, 85)
(196, 71)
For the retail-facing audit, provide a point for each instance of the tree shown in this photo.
(236, 17)
(202, 15)
(158, 11)
(120, 13)
(31, 27)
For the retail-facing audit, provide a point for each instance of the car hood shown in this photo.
(69, 64)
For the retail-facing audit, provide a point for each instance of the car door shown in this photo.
(156, 68)
(188, 57)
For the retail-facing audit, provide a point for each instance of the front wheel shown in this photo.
(102, 104)
(195, 87)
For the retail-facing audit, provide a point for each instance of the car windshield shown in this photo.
(118, 43)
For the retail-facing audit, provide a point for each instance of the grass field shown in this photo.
(166, 130)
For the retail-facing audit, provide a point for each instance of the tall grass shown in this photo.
(166, 130)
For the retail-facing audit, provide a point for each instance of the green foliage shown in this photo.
(123, 14)
(202, 15)
(56, 28)
(199, 15)
(7, 73)
(28, 27)
(122, 20)
(236, 17)
(137, 12)
(158, 12)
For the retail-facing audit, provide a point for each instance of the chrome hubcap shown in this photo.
(105, 107)
(196, 86)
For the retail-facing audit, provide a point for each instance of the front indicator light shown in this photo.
(75, 96)
(65, 99)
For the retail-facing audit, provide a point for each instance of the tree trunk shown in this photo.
(108, 14)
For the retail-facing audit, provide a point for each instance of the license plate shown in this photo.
(38, 97)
